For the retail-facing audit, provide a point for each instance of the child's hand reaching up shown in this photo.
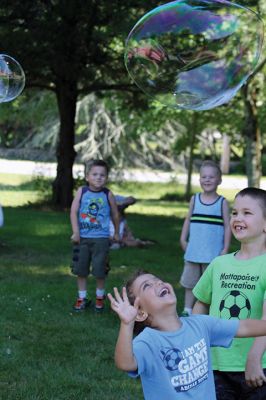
(120, 304)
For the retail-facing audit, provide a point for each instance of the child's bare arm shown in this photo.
(200, 308)
(251, 328)
(254, 372)
(114, 215)
(185, 228)
(74, 216)
(227, 228)
(124, 357)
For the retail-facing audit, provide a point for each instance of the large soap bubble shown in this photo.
(194, 54)
(12, 78)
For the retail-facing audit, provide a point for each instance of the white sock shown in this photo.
(82, 294)
(100, 292)
(188, 310)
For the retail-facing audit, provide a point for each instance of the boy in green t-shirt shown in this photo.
(234, 286)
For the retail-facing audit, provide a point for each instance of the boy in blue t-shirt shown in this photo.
(90, 214)
(171, 355)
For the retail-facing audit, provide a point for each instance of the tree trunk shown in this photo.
(225, 157)
(63, 183)
(252, 137)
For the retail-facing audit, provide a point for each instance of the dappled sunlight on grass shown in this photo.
(41, 270)
(14, 179)
(15, 199)
(159, 208)
(20, 190)
(149, 190)
(34, 269)
(51, 230)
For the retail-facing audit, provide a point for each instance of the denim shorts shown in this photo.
(90, 256)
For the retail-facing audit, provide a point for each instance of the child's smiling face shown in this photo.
(247, 221)
(209, 178)
(154, 294)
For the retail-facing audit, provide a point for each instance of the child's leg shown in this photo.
(80, 267)
(100, 283)
(100, 294)
(99, 258)
(100, 288)
(82, 287)
(82, 302)
(189, 300)
(188, 280)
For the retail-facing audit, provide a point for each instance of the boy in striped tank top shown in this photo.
(206, 230)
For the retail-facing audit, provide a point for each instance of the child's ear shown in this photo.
(141, 316)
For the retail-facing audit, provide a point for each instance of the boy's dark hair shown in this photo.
(96, 163)
(256, 194)
(210, 163)
(138, 326)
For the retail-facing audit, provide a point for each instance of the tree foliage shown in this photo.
(71, 47)
(74, 48)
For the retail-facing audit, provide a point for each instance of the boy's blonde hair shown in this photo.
(210, 163)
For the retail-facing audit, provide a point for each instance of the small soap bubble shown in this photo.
(12, 78)
(194, 54)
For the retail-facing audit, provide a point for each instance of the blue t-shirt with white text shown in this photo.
(177, 365)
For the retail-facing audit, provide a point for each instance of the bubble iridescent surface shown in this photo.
(194, 54)
(12, 78)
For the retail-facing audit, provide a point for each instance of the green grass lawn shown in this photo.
(47, 351)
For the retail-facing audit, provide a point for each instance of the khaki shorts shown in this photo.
(191, 274)
(90, 253)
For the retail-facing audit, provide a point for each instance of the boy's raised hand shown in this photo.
(120, 304)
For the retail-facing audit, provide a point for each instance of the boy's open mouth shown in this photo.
(163, 292)
(239, 228)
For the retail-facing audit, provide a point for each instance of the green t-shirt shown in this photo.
(234, 289)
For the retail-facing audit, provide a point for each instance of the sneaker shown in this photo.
(81, 304)
(184, 314)
(99, 304)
